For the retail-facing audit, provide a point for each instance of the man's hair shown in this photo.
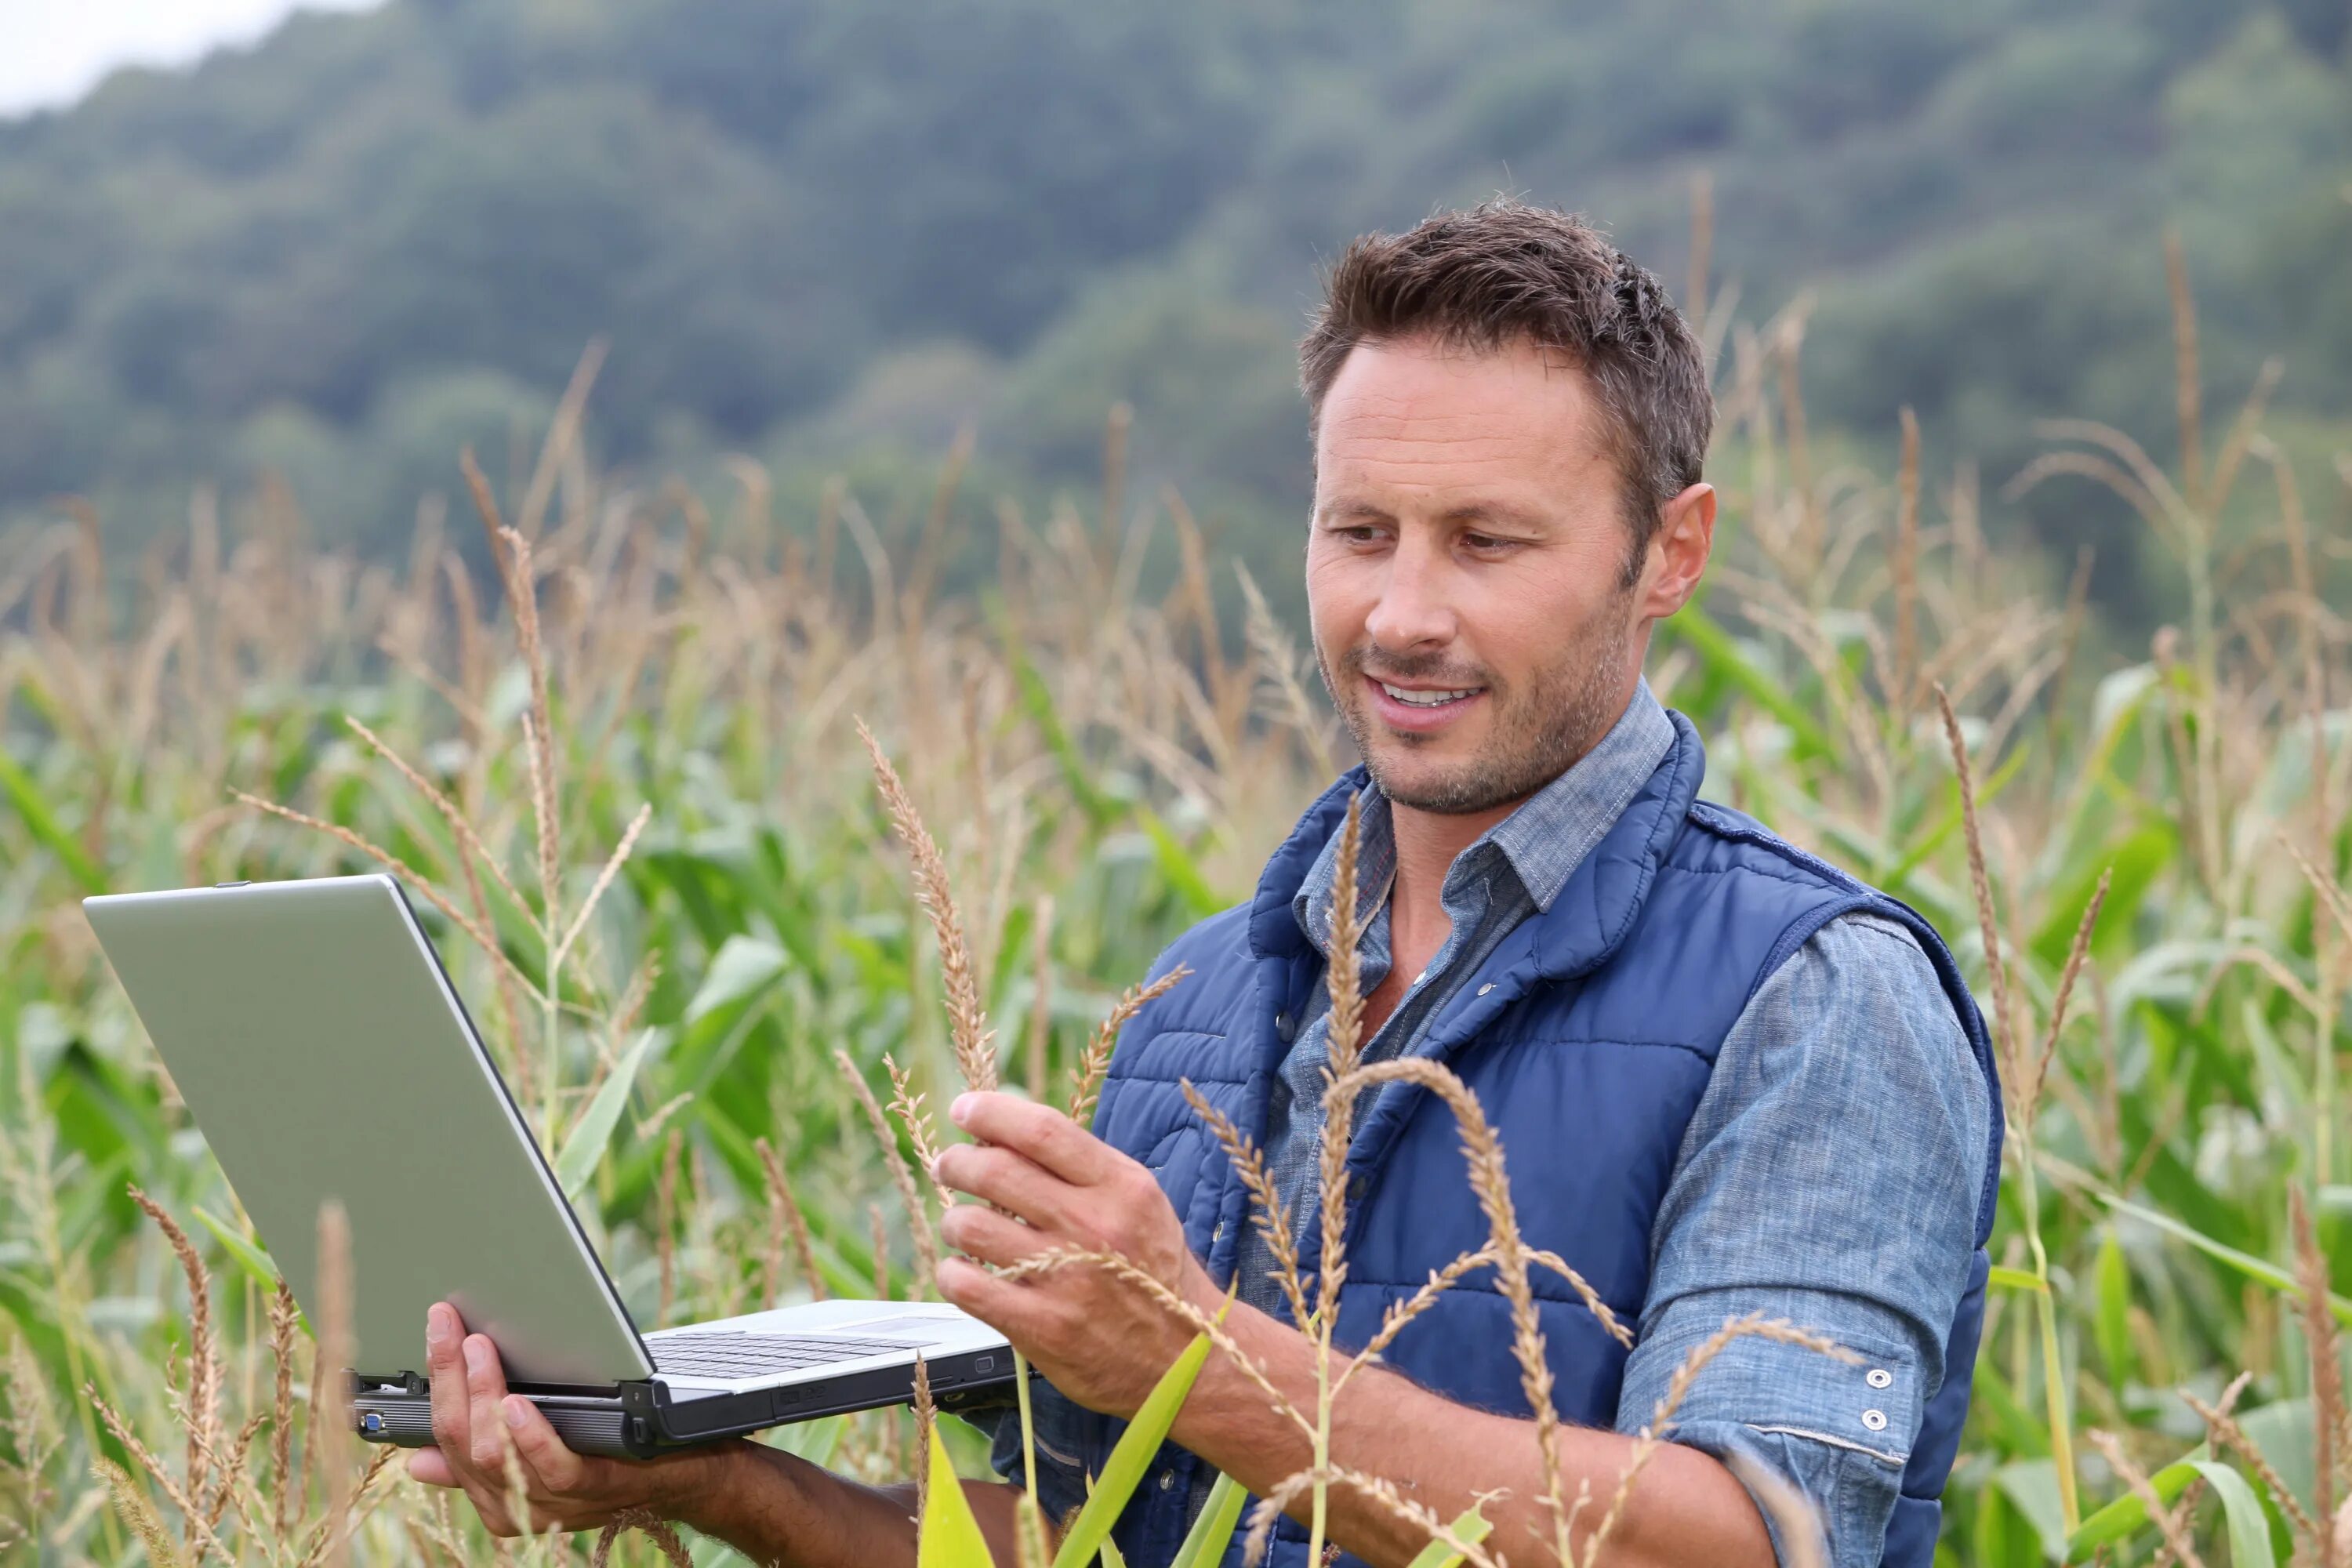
(1506, 272)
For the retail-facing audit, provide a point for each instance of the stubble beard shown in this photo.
(1536, 732)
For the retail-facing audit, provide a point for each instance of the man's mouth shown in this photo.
(1422, 698)
(1420, 710)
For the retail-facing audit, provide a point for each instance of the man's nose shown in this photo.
(1414, 610)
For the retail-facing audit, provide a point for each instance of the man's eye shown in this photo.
(1485, 544)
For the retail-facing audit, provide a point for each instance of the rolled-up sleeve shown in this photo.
(1830, 1178)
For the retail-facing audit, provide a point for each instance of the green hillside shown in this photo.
(829, 233)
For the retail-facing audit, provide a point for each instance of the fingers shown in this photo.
(990, 1236)
(1021, 1316)
(445, 1366)
(1011, 1180)
(553, 1467)
(1047, 1136)
(451, 1462)
(431, 1468)
(551, 1470)
(486, 1386)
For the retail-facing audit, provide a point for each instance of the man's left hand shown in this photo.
(1100, 1339)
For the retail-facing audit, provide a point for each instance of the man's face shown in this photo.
(1465, 571)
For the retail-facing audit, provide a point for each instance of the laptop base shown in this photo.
(640, 1420)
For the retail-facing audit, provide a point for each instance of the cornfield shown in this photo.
(625, 769)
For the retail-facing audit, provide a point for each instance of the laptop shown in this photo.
(314, 1035)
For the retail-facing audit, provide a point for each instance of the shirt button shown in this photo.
(1875, 1419)
(1167, 1480)
(1484, 989)
(1879, 1377)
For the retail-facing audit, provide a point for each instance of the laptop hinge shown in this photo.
(408, 1382)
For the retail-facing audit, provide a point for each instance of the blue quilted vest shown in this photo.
(1587, 1037)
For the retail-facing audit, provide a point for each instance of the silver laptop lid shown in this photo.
(316, 1038)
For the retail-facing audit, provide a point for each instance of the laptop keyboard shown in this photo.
(739, 1355)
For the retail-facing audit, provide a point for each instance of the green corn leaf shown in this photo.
(2133, 865)
(949, 1536)
(1110, 1557)
(2283, 1434)
(249, 1257)
(1720, 652)
(2248, 1528)
(1930, 839)
(743, 967)
(1212, 1532)
(1037, 701)
(98, 1116)
(2012, 1428)
(2010, 1278)
(2030, 1487)
(89, 1213)
(2115, 1302)
(2127, 1516)
(1175, 862)
(585, 1146)
(1471, 1527)
(1123, 1472)
(17, 786)
(2245, 1263)
(1999, 1533)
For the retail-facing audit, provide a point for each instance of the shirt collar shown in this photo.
(1554, 828)
(1375, 869)
(1542, 841)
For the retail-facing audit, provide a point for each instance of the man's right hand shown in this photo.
(769, 1505)
(477, 1424)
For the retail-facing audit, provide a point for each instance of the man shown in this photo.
(1728, 1078)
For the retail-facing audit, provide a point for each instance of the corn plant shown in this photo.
(725, 1013)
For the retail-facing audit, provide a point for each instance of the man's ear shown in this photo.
(1678, 551)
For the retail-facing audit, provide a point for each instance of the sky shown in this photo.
(53, 51)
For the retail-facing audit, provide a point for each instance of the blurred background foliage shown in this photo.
(818, 229)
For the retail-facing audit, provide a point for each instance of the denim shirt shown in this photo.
(1828, 1175)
